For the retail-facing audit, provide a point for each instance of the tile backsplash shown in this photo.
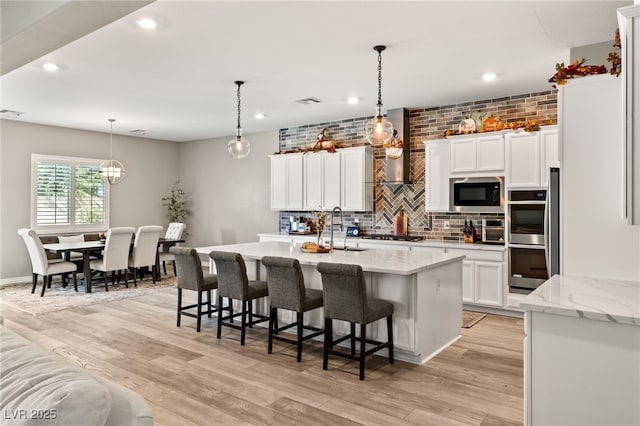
(425, 124)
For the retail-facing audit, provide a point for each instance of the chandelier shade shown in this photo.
(379, 129)
(239, 147)
(112, 171)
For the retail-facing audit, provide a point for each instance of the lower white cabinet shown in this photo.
(482, 277)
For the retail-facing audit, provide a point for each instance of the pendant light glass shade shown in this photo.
(239, 147)
(112, 170)
(379, 129)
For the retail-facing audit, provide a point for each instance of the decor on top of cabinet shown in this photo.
(466, 126)
(492, 124)
(578, 69)
(319, 145)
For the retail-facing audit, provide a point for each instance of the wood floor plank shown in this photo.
(191, 378)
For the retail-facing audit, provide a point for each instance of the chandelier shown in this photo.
(112, 170)
(239, 146)
(379, 129)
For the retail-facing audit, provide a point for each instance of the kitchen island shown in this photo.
(425, 289)
(582, 352)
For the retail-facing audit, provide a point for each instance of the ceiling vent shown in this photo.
(139, 132)
(307, 101)
(9, 112)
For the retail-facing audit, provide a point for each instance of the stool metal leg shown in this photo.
(300, 320)
(328, 341)
(179, 306)
(243, 322)
(219, 333)
(390, 337)
(363, 348)
(272, 314)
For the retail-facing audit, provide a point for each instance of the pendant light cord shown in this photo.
(239, 83)
(111, 120)
(379, 78)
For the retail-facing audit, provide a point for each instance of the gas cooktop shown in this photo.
(392, 237)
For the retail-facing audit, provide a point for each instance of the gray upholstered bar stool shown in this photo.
(345, 299)
(234, 284)
(287, 291)
(191, 277)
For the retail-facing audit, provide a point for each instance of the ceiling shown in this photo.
(177, 81)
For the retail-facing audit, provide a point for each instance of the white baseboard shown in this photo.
(15, 280)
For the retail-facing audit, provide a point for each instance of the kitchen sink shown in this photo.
(350, 249)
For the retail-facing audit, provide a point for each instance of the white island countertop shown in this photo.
(592, 298)
(400, 262)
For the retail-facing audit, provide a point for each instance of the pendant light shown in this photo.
(112, 170)
(239, 146)
(379, 129)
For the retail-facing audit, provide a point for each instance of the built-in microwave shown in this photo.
(477, 195)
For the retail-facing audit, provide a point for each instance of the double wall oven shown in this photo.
(533, 236)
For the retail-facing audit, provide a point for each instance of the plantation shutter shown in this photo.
(90, 195)
(53, 191)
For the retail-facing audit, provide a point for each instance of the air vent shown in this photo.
(139, 132)
(307, 101)
(9, 112)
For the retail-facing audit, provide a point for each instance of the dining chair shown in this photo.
(145, 247)
(43, 266)
(115, 255)
(174, 232)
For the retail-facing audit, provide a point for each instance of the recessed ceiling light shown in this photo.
(353, 100)
(259, 116)
(489, 76)
(50, 66)
(147, 23)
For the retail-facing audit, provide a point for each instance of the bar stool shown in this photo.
(345, 299)
(191, 277)
(234, 284)
(287, 291)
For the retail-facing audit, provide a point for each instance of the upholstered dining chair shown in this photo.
(174, 232)
(41, 265)
(345, 298)
(234, 284)
(287, 291)
(115, 254)
(145, 247)
(191, 277)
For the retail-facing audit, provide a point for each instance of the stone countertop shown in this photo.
(593, 298)
(399, 262)
(339, 239)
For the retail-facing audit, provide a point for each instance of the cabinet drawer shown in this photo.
(494, 256)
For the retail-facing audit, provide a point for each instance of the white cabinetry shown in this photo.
(437, 163)
(629, 23)
(321, 180)
(529, 156)
(286, 182)
(482, 277)
(356, 175)
(477, 154)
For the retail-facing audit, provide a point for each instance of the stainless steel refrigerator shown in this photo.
(552, 223)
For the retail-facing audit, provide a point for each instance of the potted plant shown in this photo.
(176, 204)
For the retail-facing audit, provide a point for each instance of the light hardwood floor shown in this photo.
(190, 378)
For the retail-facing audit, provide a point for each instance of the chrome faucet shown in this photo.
(336, 208)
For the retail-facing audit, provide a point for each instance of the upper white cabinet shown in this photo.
(529, 156)
(286, 182)
(437, 155)
(323, 180)
(477, 154)
(356, 166)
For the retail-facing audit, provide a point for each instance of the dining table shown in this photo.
(86, 247)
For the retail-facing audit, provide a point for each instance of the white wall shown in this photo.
(230, 199)
(152, 168)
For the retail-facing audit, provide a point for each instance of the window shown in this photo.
(68, 194)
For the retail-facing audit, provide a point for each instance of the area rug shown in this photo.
(469, 318)
(57, 298)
